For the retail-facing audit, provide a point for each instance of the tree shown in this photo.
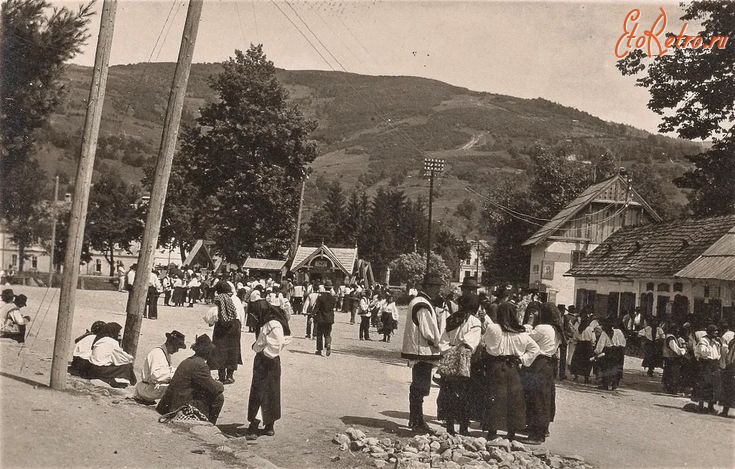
(34, 46)
(357, 219)
(692, 90)
(327, 223)
(113, 220)
(411, 268)
(243, 161)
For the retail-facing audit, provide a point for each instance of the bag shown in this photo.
(455, 363)
(185, 414)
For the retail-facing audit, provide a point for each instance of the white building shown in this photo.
(669, 270)
(583, 225)
(474, 266)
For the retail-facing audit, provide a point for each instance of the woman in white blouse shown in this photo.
(463, 329)
(610, 355)
(584, 350)
(508, 346)
(108, 361)
(539, 377)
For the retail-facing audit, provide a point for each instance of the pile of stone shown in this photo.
(442, 450)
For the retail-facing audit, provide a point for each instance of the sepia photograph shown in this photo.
(398, 234)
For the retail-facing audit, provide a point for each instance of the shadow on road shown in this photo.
(234, 430)
(385, 425)
(23, 380)
(387, 357)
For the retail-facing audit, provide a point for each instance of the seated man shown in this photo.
(193, 384)
(157, 369)
(14, 323)
(83, 348)
(109, 362)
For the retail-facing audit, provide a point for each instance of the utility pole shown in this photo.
(137, 298)
(82, 183)
(52, 265)
(298, 217)
(431, 168)
(477, 263)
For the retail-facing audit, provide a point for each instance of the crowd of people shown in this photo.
(497, 357)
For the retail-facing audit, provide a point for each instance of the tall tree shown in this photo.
(35, 42)
(327, 223)
(692, 90)
(113, 221)
(357, 219)
(245, 158)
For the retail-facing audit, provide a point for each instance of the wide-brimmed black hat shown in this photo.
(432, 279)
(177, 338)
(21, 300)
(469, 282)
(202, 343)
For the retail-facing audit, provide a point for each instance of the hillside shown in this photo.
(373, 130)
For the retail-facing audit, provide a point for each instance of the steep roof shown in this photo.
(578, 204)
(654, 250)
(717, 262)
(263, 264)
(344, 258)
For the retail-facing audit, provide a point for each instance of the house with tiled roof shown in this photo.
(670, 270)
(340, 265)
(562, 242)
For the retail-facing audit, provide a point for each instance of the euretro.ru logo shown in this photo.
(655, 40)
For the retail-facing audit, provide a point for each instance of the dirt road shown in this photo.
(362, 384)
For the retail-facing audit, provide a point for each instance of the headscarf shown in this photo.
(96, 329)
(111, 329)
(225, 307)
(532, 306)
(467, 305)
(276, 313)
(507, 318)
(549, 314)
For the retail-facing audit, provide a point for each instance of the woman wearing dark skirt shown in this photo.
(610, 355)
(708, 353)
(538, 379)
(727, 390)
(265, 389)
(507, 346)
(225, 336)
(108, 361)
(583, 352)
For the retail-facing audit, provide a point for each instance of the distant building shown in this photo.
(669, 269)
(471, 267)
(340, 265)
(580, 227)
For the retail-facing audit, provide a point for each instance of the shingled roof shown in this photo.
(578, 204)
(263, 264)
(654, 250)
(344, 258)
(717, 262)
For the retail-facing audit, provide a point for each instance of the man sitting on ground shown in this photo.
(14, 323)
(83, 349)
(193, 384)
(157, 369)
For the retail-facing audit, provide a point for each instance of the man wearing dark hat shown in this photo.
(421, 346)
(193, 384)
(469, 286)
(157, 370)
(14, 323)
(324, 318)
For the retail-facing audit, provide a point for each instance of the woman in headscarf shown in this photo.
(610, 354)
(265, 389)
(539, 387)
(653, 338)
(389, 316)
(108, 362)
(708, 353)
(83, 348)
(225, 336)
(727, 390)
(583, 352)
(508, 346)
(463, 330)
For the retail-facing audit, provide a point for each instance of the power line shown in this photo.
(170, 25)
(155, 44)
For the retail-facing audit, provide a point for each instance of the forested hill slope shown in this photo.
(373, 130)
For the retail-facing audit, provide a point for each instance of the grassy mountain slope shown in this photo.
(373, 130)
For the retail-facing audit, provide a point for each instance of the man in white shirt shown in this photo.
(157, 369)
(297, 297)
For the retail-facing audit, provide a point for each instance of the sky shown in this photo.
(558, 50)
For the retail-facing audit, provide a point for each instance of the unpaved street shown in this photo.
(363, 384)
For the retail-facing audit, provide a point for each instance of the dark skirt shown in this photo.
(179, 296)
(109, 373)
(506, 409)
(226, 340)
(707, 387)
(388, 325)
(539, 392)
(652, 354)
(453, 400)
(478, 385)
(671, 378)
(727, 387)
(581, 364)
(265, 389)
(611, 365)
(689, 372)
(78, 366)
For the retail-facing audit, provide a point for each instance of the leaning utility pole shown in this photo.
(298, 218)
(137, 298)
(82, 183)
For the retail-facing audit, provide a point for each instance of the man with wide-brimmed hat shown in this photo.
(157, 369)
(14, 323)
(324, 318)
(193, 384)
(421, 346)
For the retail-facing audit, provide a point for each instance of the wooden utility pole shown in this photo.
(432, 167)
(298, 218)
(52, 265)
(137, 298)
(82, 183)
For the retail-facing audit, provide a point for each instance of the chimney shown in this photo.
(67, 197)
